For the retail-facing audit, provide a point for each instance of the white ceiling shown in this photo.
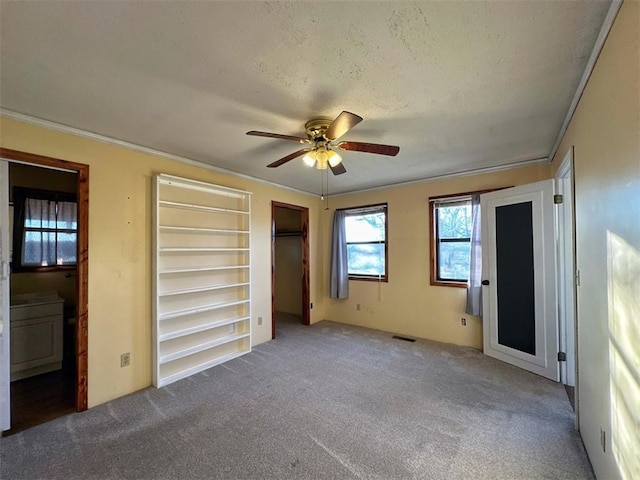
(458, 86)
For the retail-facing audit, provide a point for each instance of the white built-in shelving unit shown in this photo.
(201, 291)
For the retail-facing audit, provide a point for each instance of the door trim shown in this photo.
(82, 286)
(304, 239)
(566, 269)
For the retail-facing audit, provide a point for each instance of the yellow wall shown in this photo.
(408, 304)
(120, 249)
(605, 132)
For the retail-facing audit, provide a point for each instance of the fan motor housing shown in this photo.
(316, 128)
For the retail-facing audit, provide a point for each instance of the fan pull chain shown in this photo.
(326, 173)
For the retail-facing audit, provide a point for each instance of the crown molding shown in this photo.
(39, 122)
(462, 173)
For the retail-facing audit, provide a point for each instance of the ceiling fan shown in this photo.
(321, 133)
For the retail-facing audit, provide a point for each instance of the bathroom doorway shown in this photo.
(48, 200)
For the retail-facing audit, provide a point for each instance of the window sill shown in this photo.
(444, 283)
(52, 268)
(369, 279)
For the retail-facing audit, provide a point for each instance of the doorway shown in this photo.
(290, 294)
(567, 277)
(33, 391)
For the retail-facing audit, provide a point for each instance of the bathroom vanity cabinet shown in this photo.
(36, 334)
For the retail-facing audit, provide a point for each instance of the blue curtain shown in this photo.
(474, 285)
(338, 270)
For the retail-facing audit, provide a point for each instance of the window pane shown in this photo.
(365, 228)
(39, 213)
(366, 259)
(66, 249)
(453, 260)
(454, 222)
(67, 213)
(39, 249)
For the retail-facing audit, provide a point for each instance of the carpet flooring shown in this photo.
(325, 401)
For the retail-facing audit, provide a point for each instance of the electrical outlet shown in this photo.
(463, 322)
(125, 359)
(259, 320)
(358, 307)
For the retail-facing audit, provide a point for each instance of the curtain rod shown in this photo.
(365, 209)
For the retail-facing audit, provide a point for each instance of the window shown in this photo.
(46, 230)
(450, 240)
(366, 231)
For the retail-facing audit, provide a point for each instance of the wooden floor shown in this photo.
(38, 399)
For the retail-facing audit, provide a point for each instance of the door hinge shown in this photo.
(562, 357)
(557, 199)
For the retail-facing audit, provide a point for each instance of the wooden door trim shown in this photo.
(304, 239)
(82, 285)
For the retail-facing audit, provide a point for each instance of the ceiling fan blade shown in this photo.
(338, 169)
(284, 160)
(390, 150)
(341, 125)
(277, 135)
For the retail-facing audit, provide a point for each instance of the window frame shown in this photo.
(433, 234)
(368, 209)
(433, 259)
(20, 194)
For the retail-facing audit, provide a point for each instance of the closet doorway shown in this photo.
(49, 299)
(290, 292)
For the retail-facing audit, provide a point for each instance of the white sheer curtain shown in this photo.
(339, 274)
(49, 233)
(474, 284)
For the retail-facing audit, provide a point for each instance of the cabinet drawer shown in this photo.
(23, 312)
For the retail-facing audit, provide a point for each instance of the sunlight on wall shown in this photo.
(624, 353)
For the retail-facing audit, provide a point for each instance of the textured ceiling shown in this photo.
(458, 86)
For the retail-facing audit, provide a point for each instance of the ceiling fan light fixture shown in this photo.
(322, 155)
(322, 163)
(333, 158)
(310, 158)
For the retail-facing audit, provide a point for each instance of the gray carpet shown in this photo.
(326, 401)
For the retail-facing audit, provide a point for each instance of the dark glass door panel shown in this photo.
(515, 277)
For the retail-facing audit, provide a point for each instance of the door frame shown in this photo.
(566, 269)
(567, 277)
(82, 282)
(304, 245)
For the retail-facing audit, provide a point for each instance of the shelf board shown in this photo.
(202, 208)
(170, 228)
(200, 249)
(170, 357)
(208, 288)
(203, 308)
(168, 271)
(174, 377)
(187, 183)
(200, 328)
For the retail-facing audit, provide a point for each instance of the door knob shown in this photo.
(485, 282)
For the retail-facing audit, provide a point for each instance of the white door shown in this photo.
(519, 269)
(5, 388)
